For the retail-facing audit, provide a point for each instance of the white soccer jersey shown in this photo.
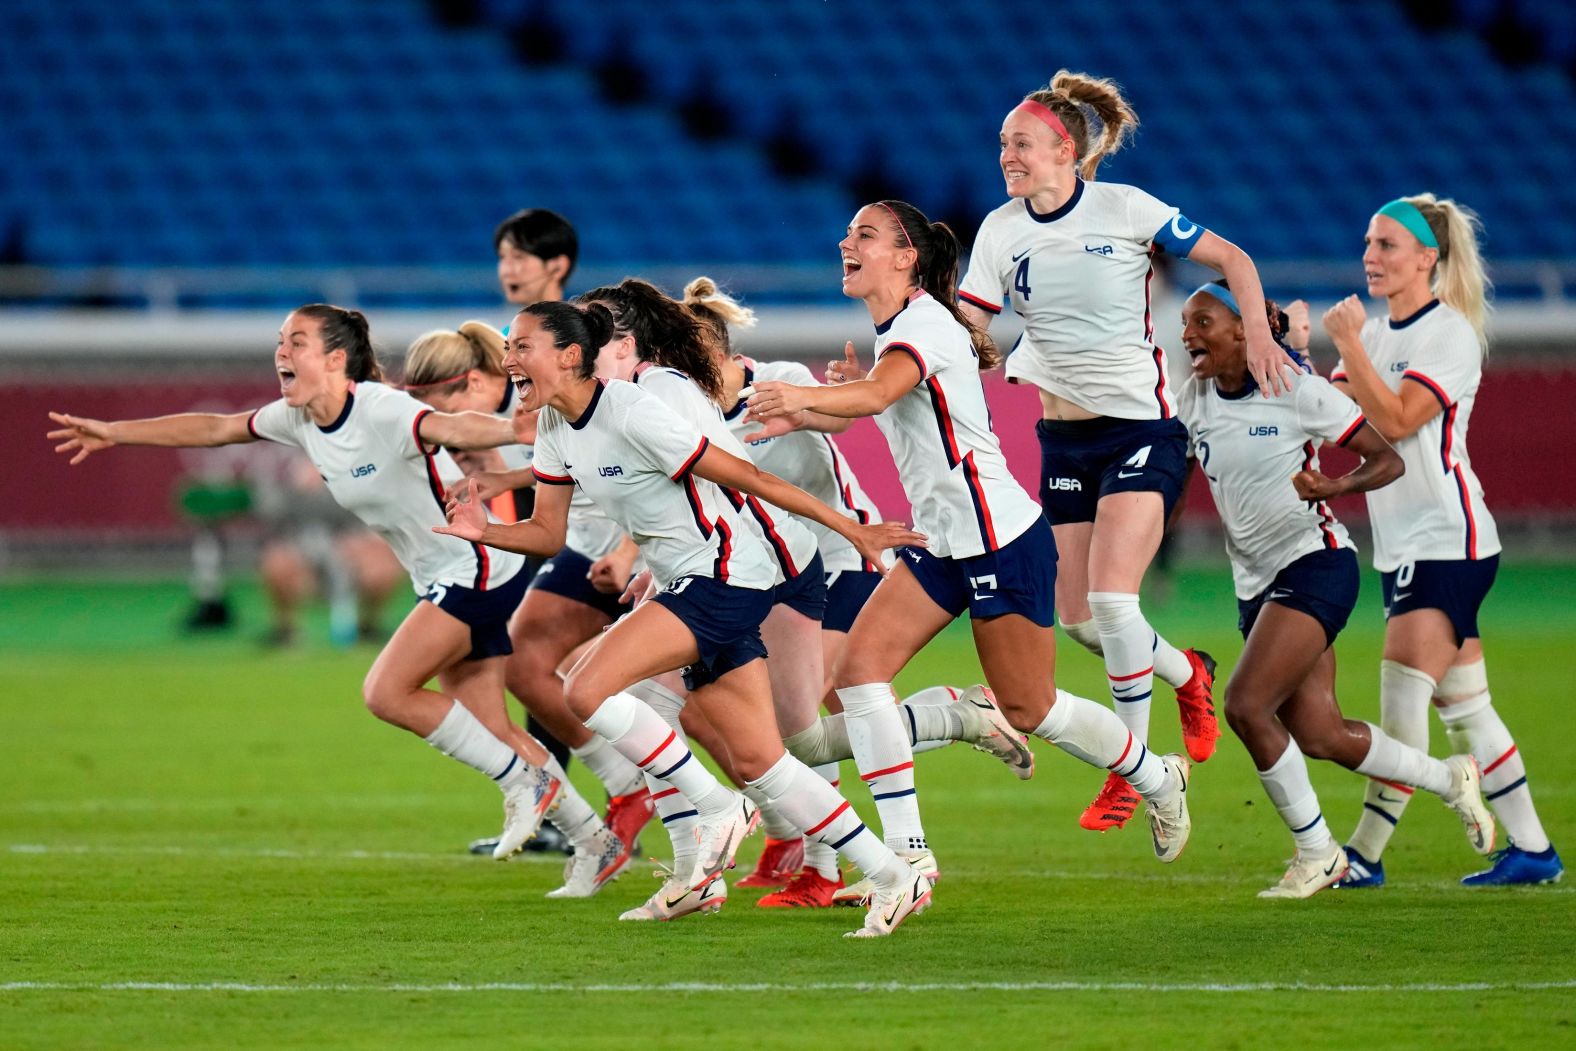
(632, 455)
(949, 461)
(1249, 447)
(377, 468)
(789, 539)
(812, 461)
(1435, 511)
(1079, 276)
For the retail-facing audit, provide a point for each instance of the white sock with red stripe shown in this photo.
(678, 815)
(462, 736)
(1404, 695)
(885, 757)
(643, 738)
(1127, 641)
(1286, 783)
(1402, 765)
(819, 856)
(1094, 734)
(1474, 726)
(826, 817)
(617, 774)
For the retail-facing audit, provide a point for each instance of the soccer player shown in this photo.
(661, 480)
(990, 550)
(1415, 375)
(381, 454)
(1073, 257)
(1295, 571)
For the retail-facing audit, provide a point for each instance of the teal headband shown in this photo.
(1407, 214)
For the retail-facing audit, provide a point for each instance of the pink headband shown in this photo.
(909, 241)
(437, 383)
(1049, 117)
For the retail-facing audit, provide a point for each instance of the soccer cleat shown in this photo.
(777, 864)
(808, 890)
(628, 814)
(486, 845)
(1310, 873)
(1112, 807)
(719, 838)
(590, 869)
(862, 892)
(987, 729)
(1466, 799)
(525, 804)
(1361, 873)
(548, 840)
(1169, 823)
(1516, 867)
(1196, 699)
(889, 908)
(677, 898)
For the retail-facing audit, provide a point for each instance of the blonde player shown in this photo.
(380, 453)
(1416, 376)
(1073, 257)
(990, 550)
(1295, 571)
(661, 479)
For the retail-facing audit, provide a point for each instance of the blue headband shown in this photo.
(1222, 293)
(1408, 215)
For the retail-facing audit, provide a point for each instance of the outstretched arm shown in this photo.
(894, 375)
(542, 534)
(84, 437)
(466, 430)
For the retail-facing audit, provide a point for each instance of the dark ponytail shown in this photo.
(936, 271)
(347, 330)
(666, 332)
(590, 327)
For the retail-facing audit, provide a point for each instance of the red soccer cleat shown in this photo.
(779, 861)
(808, 890)
(1196, 699)
(1113, 807)
(627, 815)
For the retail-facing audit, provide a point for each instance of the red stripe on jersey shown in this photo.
(700, 450)
(552, 479)
(1309, 454)
(769, 527)
(989, 308)
(1447, 429)
(846, 491)
(1351, 431)
(1160, 384)
(1337, 377)
(251, 426)
(724, 550)
(938, 402)
(693, 496)
(1466, 510)
(981, 508)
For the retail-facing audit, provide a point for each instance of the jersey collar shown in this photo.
(738, 406)
(1421, 311)
(882, 328)
(585, 417)
(1052, 216)
(344, 414)
(508, 398)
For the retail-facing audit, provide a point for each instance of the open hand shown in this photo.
(773, 398)
(80, 435)
(872, 541)
(1269, 364)
(639, 589)
(466, 514)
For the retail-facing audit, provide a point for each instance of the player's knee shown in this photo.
(381, 696)
(582, 694)
(1244, 712)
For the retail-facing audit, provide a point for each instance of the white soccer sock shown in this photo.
(1094, 734)
(462, 736)
(776, 824)
(1403, 713)
(1086, 634)
(819, 856)
(573, 815)
(1473, 722)
(928, 733)
(679, 818)
(617, 774)
(661, 700)
(1286, 783)
(1171, 665)
(1127, 642)
(885, 758)
(643, 738)
(823, 815)
(1403, 766)
(826, 739)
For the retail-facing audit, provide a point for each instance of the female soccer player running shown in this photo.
(990, 550)
(661, 479)
(1073, 256)
(1416, 376)
(1295, 571)
(379, 451)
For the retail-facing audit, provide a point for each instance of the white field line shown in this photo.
(793, 987)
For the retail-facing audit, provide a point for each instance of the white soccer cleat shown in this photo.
(677, 898)
(1466, 799)
(1310, 873)
(890, 907)
(1169, 823)
(590, 869)
(719, 838)
(863, 892)
(530, 800)
(987, 729)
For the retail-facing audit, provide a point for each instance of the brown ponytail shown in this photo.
(1080, 101)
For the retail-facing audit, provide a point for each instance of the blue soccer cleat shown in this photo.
(1362, 873)
(1516, 867)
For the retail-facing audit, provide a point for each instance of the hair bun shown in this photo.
(599, 327)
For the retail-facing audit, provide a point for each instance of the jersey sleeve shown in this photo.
(1449, 367)
(788, 372)
(1151, 221)
(395, 413)
(1324, 412)
(547, 460)
(274, 422)
(669, 442)
(985, 285)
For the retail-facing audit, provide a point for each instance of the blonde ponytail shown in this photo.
(438, 361)
(1459, 280)
(1086, 105)
(716, 309)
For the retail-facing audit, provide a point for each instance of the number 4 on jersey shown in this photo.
(1020, 282)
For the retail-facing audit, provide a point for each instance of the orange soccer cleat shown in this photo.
(808, 890)
(1113, 807)
(628, 814)
(780, 859)
(1196, 699)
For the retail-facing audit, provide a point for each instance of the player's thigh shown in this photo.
(548, 627)
(1423, 639)
(896, 623)
(427, 641)
(1283, 648)
(1126, 535)
(793, 645)
(739, 706)
(649, 641)
(1072, 570)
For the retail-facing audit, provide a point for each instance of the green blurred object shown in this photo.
(211, 502)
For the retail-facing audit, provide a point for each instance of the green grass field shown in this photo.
(203, 844)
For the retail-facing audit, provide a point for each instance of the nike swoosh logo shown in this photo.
(980, 598)
(1128, 474)
(898, 905)
(1330, 871)
(1399, 595)
(1020, 255)
(1277, 594)
(1388, 799)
